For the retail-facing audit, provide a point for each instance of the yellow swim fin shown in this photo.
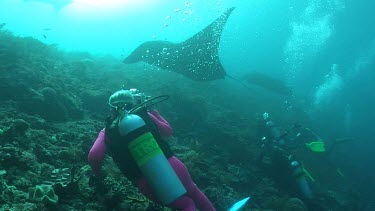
(316, 146)
(306, 173)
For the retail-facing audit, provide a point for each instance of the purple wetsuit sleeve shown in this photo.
(97, 153)
(164, 127)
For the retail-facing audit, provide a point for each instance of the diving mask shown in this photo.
(125, 106)
(139, 97)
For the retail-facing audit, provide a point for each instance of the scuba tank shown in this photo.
(275, 132)
(301, 180)
(150, 159)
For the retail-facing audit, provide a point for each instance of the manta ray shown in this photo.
(196, 58)
(269, 83)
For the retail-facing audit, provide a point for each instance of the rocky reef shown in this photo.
(53, 104)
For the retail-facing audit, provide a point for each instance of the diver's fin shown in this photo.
(238, 205)
(307, 173)
(316, 146)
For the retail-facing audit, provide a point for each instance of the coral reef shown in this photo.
(44, 194)
(53, 104)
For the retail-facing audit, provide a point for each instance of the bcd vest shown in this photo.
(118, 146)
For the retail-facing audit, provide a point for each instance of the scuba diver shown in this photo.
(134, 137)
(275, 154)
(278, 158)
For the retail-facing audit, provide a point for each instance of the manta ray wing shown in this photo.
(196, 58)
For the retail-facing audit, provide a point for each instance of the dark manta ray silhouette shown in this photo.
(269, 83)
(196, 58)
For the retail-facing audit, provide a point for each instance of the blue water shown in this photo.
(325, 50)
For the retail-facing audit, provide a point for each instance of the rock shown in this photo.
(294, 204)
(19, 127)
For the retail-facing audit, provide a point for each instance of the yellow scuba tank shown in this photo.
(151, 159)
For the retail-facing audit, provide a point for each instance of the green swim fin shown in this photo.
(316, 146)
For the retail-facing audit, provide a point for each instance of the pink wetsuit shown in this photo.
(192, 200)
